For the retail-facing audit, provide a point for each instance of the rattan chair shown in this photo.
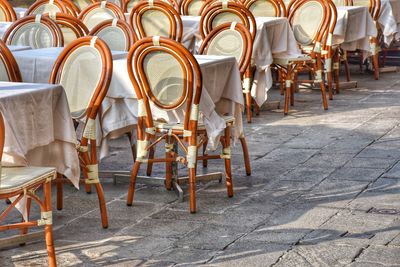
(34, 31)
(309, 35)
(191, 7)
(7, 13)
(117, 34)
(232, 39)
(71, 27)
(210, 2)
(85, 95)
(266, 8)
(18, 183)
(52, 6)
(82, 4)
(223, 12)
(156, 18)
(9, 70)
(99, 12)
(130, 4)
(167, 78)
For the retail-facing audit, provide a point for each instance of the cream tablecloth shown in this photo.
(389, 20)
(39, 128)
(222, 93)
(274, 36)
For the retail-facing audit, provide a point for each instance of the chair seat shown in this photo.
(178, 126)
(18, 178)
(283, 61)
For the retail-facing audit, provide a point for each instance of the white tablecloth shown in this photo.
(389, 20)
(354, 28)
(18, 47)
(274, 36)
(222, 93)
(39, 128)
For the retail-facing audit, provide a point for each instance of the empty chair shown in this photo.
(222, 12)
(130, 4)
(210, 2)
(71, 27)
(266, 8)
(9, 70)
(82, 4)
(99, 12)
(35, 31)
(156, 18)
(192, 7)
(7, 13)
(85, 93)
(117, 34)
(51, 6)
(19, 182)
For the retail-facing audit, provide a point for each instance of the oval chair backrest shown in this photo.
(307, 31)
(192, 7)
(263, 8)
(71, 27)
(156, 18)
(82, 4)
(229, 39)
(210, 2)
(117, 34)
(165, 76)
(7, 13)
(9, 70)
(223, 12)
(36, 31)
(99, 12)
(84, 69)
(46, 6)
(130, 4)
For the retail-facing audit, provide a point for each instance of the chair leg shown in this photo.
(288, 84)
(321, 83)
(328, 70)
(336, 72)
(150, 164)
(245, 155)
(24, 231)
(131, 189)
(248, 106)
(205, 161)
(375, 57)
(228, 168)
(48, 229)
(168, 164)
(192, 190)
(257, 108)
(346, 67)
(281, 82)
(60, 193)
(102, 204)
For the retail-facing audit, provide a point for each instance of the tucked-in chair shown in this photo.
(7, 13)
(71, 27)
(85, 93)
(232, 39)
(210, 2)
(266, 8)
(130, 4)
(9, 70)
(117, 34)
(17, 183)
(35, 31)
(99, 12)
(167, 78)
(52, 6)
(156, 18)
(191, 7)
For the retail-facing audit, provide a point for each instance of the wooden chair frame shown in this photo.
(87, 149)
(185, 4)
(8, 10)
(58, 3)
(174, 3)
(208, 3)
(275, 3)
(217, 8)
(10, 63)
(121, 24)
(175, 21)
(58, 40)
(245, 71)
(112, 7)
(71, 22)
(28, 190)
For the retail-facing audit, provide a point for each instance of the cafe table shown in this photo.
(389, 20)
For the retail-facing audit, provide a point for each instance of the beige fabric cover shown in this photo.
(304, 28)
(79, 91)
(165, 76)
(132, 4)
(35, 35)
(114, 37)
(82, 4)
(46, 8)
(2, 15)
(194, 7)
(3, 72)
(263, 8)
(68, 34)
(227, 43)
(225, 17)
(155, 23)
(96, 16)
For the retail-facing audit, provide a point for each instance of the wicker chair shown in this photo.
(156, 18)
(7, 13)
(82, 4)
(232, 39)
(117, 34)
(9, 70)
(18, 183)
(34, 31)
(85, 104)
(191, 7)
(71, 27)
(309, 34)
(158, 65)
(99, 12)
(266, 8)
(53, 6)
(210, 2)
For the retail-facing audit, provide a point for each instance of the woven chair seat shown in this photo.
(178, 126)
(14, 179)
(283, 61)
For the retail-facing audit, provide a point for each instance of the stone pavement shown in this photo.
(325, 191)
